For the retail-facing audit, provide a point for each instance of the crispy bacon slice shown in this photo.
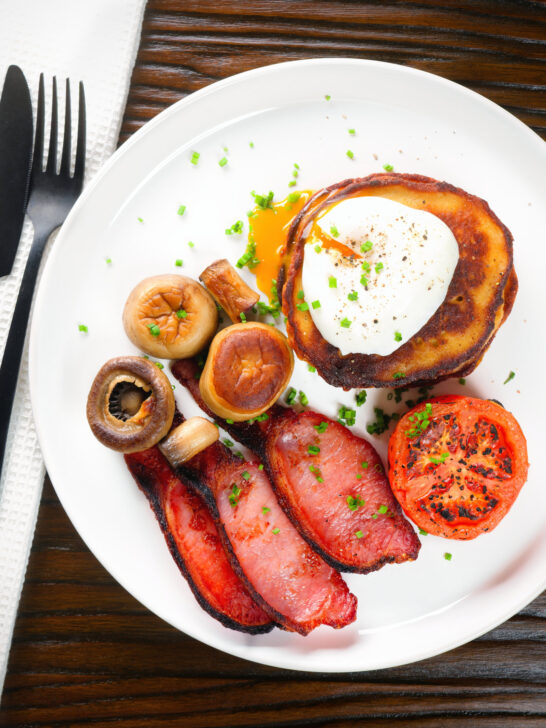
(193, 540)
(286, 577)
(330, 483)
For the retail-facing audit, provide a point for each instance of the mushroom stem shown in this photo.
(229, 289)
(188, 439)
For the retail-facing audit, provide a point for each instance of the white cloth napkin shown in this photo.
(95, 41)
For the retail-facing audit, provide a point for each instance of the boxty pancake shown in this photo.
(453, 340)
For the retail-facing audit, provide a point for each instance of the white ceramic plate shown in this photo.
(415, 121)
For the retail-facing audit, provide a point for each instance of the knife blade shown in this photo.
(16, 129)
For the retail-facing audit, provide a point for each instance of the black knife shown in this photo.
(15, 159)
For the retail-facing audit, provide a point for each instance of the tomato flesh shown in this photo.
(456, 465)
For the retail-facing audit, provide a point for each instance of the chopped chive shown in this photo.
(140, 219)
(190, 244)
(365, 266)
(315, 304)
(292, 183)
(300, 294)
(179, 262)
(332, 282)
(422, 532)
(154, 329)
(509, 377)
(345, 323)
(83, 328)
(311, 368)
(313, 450)
(181, 210)
(291, 396)
(235, 229)
(265, 509)
(302, 306)
(378, 267)
(382, 509)
(365, 247)
(222, 162)
(242, 316)
(398, 375)
(181, 313)
(317, 248)
(397, 336)
(263, 201)
(322, 427)
(303, 399)
(388, 167)
(276, 531)
(364, 464)
(229, 422)
(352, 132)
(359, 534)
(353, 296)
(108, 260)
(293, 196)
(194, 157)
(327, 97)
(251, 145)
(245, 474)
(448, 556)
(462, 381)
(261, 466)
(355, 503)
(439, 461)
(350, 154)
(361, 398)
(334, 232)
(364, 281)
(227, 442)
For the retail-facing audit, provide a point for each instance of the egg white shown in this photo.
(419, 254)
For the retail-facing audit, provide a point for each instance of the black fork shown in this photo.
(51, 196)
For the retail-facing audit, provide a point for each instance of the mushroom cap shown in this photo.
(247, 368)
(170, 316)
(131, 405)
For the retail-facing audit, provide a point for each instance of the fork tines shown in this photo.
(66, 156)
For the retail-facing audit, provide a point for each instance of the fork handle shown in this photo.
(9, 370)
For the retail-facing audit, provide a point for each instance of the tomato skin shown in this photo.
(457, 464)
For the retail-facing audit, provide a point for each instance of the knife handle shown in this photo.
(9, 370)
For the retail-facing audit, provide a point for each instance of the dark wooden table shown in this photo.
(84, 651)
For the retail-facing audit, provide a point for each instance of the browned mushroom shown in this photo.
(247, 368)
(130, 406)
(170, 316)
(188, 439)
(229, 289)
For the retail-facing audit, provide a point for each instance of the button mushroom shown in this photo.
(170, 316)
(247, 368)
(229, 289)
(130, 406)
(188, 439)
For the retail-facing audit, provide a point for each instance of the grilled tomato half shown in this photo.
(457, 464)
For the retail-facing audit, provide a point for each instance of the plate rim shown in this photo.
(149, 128)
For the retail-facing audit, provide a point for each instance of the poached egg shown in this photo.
(374, 272)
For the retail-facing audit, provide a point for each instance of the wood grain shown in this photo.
(85, 653)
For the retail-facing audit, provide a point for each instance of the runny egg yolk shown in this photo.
(268, 230)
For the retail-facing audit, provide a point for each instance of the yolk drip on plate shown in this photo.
(268, 230)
